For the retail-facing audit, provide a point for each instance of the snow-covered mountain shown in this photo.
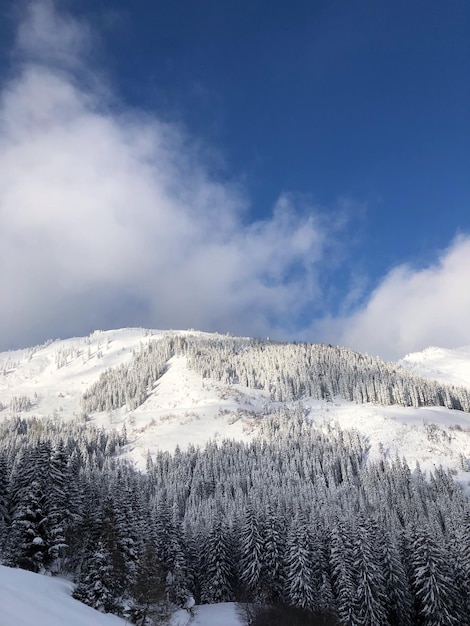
(285, 450)
(187, 404)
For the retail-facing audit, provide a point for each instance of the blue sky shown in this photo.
(302, 168)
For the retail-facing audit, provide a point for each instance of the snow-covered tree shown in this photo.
(217, 565)
(433, 582)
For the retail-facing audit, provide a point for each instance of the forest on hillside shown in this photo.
(287, 371)
(298, 516)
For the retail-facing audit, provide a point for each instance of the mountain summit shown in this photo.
(180, 388)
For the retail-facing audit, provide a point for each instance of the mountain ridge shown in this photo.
(185, 405)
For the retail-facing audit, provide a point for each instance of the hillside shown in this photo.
(277, 472)
(191, 402)
(30, 599)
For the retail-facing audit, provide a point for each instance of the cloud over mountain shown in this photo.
(412, 308)
(112, 217)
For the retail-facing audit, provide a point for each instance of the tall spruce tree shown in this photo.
(97, 584)
(299, 575)
(433, 582)
(29, 541)
(251, 553)
(217, 564)
(148, 590)
(370, 600)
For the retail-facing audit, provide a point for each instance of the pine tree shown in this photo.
(464, 561)
(111, 538)
(397, 587)
(272, 557)
(370, 600)
(299, 574)
(148, 590)
(433, 582)
(342, 569)
(29, 542)
(57, 502)
(217, 565)
(251, 553)
(96, 586)
(177, 575)
(4, 498)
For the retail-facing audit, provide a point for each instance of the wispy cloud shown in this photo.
(45, 36)
(412, 308)
(111, 217)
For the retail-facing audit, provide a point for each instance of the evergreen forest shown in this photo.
(299, 517)
(296, 516)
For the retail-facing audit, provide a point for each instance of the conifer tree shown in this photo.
(4, 499)
(111, 538)
(217, 565)
(97, 586)
(342, 569)
(433, 582)
(272, 557)
(251, 553)
(148, 591)
(397, 586)
(370, 599)
(29, 541)
(299, 574)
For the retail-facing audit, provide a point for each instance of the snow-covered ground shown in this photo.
(184, 408)
(28, 599)
(223, 614)
(430, 436)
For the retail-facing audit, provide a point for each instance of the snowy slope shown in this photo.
(223, 614)
(446, 365)
(183, 408)
(28, 599)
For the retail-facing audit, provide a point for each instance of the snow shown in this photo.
(186, 409)
(430, 436)
(183, 408)
(451, 366)
(29, 599)
(223, 614)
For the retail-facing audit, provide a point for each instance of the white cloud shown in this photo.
(112, 218)
(45, 36)
(412, 309)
